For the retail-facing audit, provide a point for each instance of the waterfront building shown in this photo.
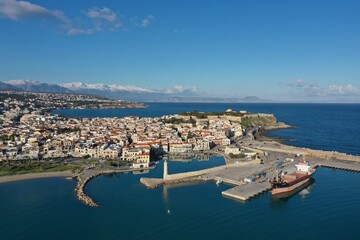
(232, 150)
(180, 147)
(202, 145)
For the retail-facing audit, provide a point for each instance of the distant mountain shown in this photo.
(35, 86)
(250, 99)
(123, 92)
(133, 93)
(8, 87)
(118, 92)
(253, 99)
(78, 86)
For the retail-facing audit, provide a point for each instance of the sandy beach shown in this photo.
(26, 176)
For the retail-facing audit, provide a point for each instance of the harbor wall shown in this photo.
(178, 176)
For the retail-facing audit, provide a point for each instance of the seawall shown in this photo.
(191, 176)
(86, 176)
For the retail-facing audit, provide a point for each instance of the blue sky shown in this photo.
(284, 50)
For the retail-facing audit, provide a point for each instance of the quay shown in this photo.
(234, 173)
(275, 158)
(247, 191)
(200, 175)
(341, 165)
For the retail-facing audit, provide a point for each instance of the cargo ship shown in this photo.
(291, 182)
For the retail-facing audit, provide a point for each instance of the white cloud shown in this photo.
(97, 19)
(302, 84)
(17, 10)
(334, 90)
(312, 89)
(102, 14)
(180, 89)
(73, 30)
(104, 17)
(145, 22)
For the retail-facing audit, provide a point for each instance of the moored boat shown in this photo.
(293, 181)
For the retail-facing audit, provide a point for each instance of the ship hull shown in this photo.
(291, 188)
(294, 192)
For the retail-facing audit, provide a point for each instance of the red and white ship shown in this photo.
(291, 182)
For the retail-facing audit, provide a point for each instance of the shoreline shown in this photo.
(261, 134)
(28, 176)
(83, 178)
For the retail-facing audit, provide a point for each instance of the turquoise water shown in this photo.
(47, 208)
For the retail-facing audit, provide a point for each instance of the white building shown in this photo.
(232, 149)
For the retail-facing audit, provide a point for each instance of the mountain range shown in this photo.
(35, 86)
(8, 87)
(121, 92)
(249, 99)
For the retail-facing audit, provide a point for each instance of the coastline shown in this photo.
(256, 146)
(260, 135)
(28, 176)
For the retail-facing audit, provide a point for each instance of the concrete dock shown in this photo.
(247, 191)
(276, 159)
(341, 165)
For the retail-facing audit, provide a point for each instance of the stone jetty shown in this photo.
(157, 182)
(89, 174)
(81, 194)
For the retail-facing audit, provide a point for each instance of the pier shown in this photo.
(200, 175)
(247, 191)
(273, 156)
(336, 164)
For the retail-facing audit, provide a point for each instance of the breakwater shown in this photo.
(87, 175)
(80, 186)
(278, 147)
(157, 182)
(191, 176)
(340, 165)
